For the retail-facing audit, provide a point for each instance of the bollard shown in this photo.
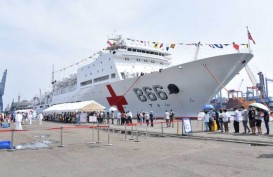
(98, 134)
(162, 133)
(125, 132)
(11, 142)
(93, 132)
(132, 134)
(108, 137)
(182, 127)
(146, 133)
(136, 140)
(177, 127)
(62, 138)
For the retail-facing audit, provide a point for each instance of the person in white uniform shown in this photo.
(167, 118)
(29, 116)
(40, 117)
(18, 121)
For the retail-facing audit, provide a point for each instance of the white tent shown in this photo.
(84, 106)
(24, 110)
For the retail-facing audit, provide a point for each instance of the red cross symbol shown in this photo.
(115, 100)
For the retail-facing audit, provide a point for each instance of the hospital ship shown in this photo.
(135, 77)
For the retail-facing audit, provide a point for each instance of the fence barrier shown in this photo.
(108, 140)
(159, 129)
(62, 145)
(136, 140)
(93, 134)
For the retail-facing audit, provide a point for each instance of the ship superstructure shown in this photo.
(121, 60)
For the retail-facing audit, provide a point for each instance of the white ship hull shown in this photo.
(198, 82)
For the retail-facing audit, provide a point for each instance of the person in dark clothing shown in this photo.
(266, 122)
(217, 119)
(220, 120)
(211, 119)
(152, 118)
(236, 120)
(251, 117)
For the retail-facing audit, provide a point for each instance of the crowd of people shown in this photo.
(110, 117)
(252, 118)
(214, 120)
(20, 118)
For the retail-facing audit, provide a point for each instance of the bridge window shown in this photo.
(86, 82)
(99, 79)
(123, 75)
(113, 75)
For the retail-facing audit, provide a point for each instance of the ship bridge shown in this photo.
(132, 47)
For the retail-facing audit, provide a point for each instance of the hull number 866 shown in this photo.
(152, 94)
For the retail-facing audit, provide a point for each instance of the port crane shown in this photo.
(2, 89)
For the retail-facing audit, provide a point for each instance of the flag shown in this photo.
(218, 45)
(109, 43)
(236, 46)
(156, 45)
(211, 45)
(161, 45)
(245, 45)
(167, 46)
(250, 37)
(172, 46)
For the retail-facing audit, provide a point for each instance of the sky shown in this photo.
(35, 35)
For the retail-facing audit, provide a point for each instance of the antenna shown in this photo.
(53, 72)
(197, 51)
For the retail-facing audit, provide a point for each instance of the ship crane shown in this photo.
(239, 89)
(2, 89)
(251, 75)
(266, 87)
